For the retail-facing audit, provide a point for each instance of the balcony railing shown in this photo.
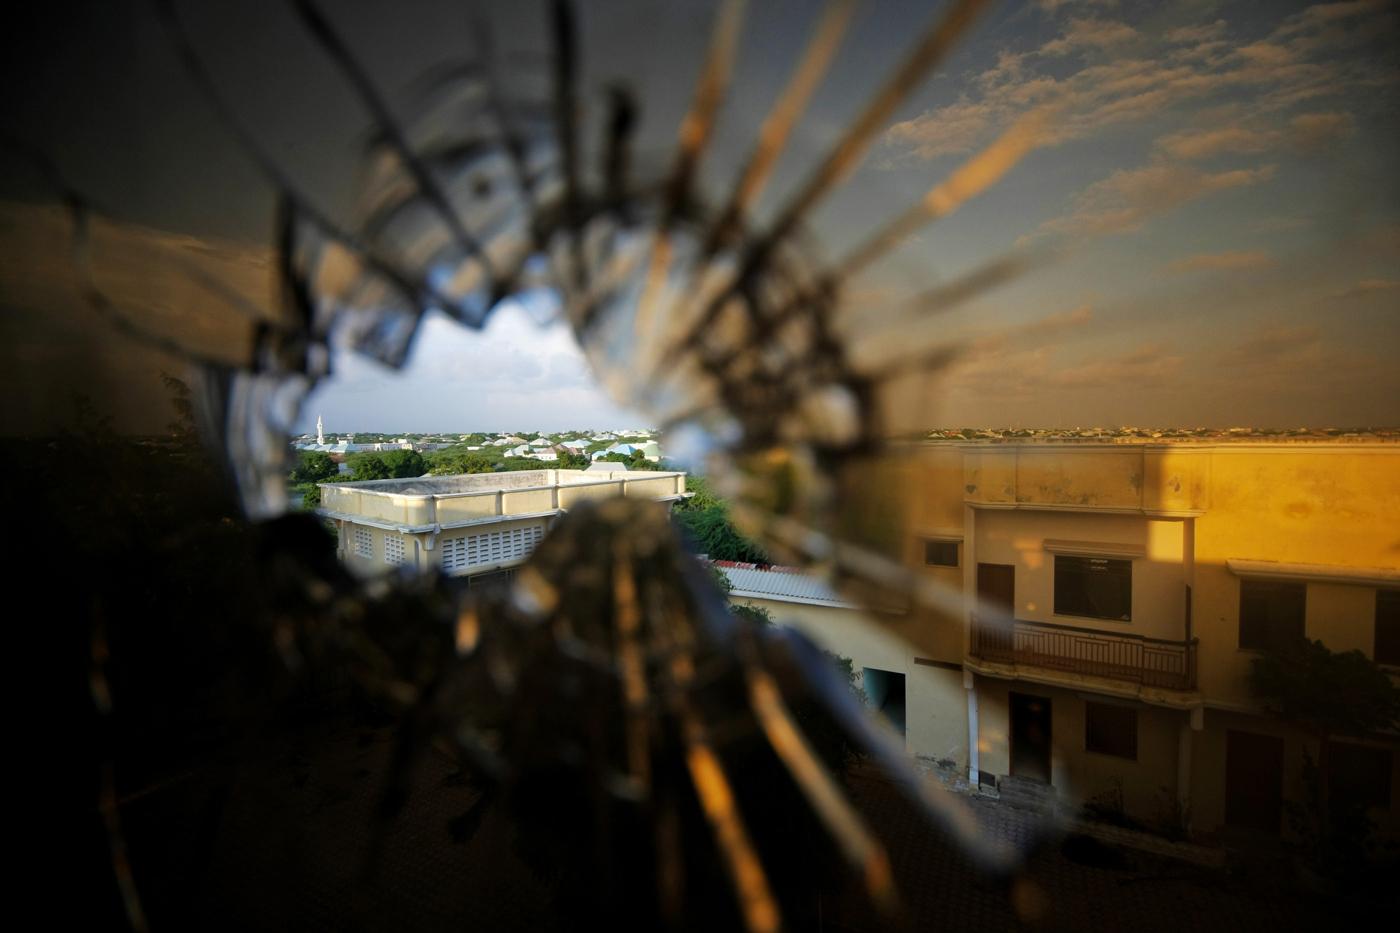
(1152, 662)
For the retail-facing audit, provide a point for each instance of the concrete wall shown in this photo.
(1149, 784)
(1326, 506)
(1208, 769)
(935, 701)
(1332, 505)
(374, 565)
(1018, 538)
(470, 497)
(417, 551)
(1088, 476)
(935, 511)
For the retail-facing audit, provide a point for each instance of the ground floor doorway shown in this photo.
(885, 692)
(1030, 737)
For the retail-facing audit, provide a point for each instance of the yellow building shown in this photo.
(472, 525)
(1106, 602)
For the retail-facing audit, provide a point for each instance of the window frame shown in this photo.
(942, 543)
(363, 543)
(1058, 609)
(1391, 599)
(1338, 780)
(1092, 708)
(1273, 639)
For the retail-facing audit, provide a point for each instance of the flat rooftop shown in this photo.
(473, 482)
(428, 503)
(1349, 442)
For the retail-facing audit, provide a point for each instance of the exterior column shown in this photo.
(1194, 722)
(973, 758)
(1188, 571)
(969, 561)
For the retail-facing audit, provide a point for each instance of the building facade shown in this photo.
(1103, 603)
(476, 525)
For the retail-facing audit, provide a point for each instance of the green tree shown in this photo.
(705, 517)
(702, 497)
(639, 461)
(461, 463)
(184, 429)
(313, 467)
(716, 537)
(572, 461)
(404, 464)
(1328, 693)
(516, 464)
(368, 466)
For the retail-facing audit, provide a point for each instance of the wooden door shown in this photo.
(1030, 737)
(1253, 781)
(996, 592)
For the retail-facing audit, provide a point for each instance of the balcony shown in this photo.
(1151, 662)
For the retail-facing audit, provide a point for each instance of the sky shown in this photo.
(515, 375)
(1211, 197)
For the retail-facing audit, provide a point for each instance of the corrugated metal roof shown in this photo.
(784, 586)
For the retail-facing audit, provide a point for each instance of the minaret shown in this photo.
(320, 432)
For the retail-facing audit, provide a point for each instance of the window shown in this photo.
(393, 549)
(495, 580)
(490, 547)
(364, 543)
(1359, 775)
(1094, 587)
(1110, 730)
(454, 552)
(1271, 613)
(1387, 649)
(941, 553)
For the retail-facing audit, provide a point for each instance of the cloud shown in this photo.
(1125, 200)
(1195, 35)
(1322, 15)
(1367, 287)
(1273, 346)
(1315, 132)
(957, 130)
(1094, 34)
(1222, 261)
(1297, 363)
(512, 375)
(1281, 224)
(1304, 59)
(1051, 6)
(1023, 364)
(1202, 144)
(1148, 365)
(994, 346)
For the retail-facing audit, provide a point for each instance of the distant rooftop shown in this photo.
(783, 584)
(432, 502)
(1130, 435)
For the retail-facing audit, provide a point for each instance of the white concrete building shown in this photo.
(468, 525)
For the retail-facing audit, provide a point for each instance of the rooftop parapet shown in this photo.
(429, 502)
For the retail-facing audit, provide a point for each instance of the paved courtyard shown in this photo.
(293, 848)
